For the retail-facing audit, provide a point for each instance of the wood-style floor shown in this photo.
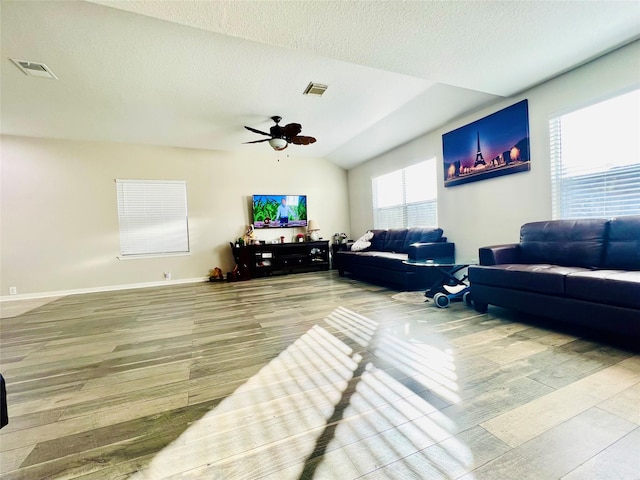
(308, 376)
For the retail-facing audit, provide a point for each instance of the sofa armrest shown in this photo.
(437, 251)
(498, 254)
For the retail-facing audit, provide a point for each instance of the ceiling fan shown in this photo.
(281, 137)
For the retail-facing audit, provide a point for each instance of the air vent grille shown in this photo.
(34, 69)
(315, 89)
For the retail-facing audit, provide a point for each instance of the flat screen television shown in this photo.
(279, 211)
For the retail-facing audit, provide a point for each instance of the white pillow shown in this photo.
(362, 243)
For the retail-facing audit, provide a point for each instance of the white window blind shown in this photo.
(406, 197)
(153, 217)
(595, 159)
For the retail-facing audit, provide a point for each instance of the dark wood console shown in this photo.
(278, 258)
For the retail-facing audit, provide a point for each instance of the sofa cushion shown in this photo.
(363, 242)
(385, 260)
(623, 245)
(422, 235)
(394, 240)
(564, 242)
(541, 278)
(613, 287)
(391, 261)
(377, 242)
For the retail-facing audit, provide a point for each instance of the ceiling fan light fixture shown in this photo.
(278, 143)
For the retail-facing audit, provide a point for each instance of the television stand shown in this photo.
(281, 258)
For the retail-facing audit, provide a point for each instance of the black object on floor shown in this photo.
(4, 414)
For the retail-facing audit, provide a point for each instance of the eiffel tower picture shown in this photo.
(479, 157)
(504, 133)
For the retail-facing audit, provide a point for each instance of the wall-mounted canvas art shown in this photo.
(495, 145)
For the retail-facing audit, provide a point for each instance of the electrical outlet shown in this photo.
(13, 291)
(167, 275)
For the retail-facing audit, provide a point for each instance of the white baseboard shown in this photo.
(108, 288)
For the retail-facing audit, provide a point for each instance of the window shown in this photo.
(407, 197)
(153, 217)
(595, 159)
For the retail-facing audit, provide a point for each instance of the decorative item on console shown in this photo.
(313, 228)
(250, 236)
(339, 238)
(300, 237)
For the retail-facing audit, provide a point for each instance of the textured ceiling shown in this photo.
(192, 73)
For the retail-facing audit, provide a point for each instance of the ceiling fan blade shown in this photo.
(302, 140)
(292, 129)
(258, 141)
(257, 131)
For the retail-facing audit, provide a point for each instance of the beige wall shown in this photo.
(58, 218)
(491, 211)
(59, 223)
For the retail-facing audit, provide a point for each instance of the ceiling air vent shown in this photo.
(34, 69)
(316, 89)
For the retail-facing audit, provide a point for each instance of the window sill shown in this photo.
(153, 255)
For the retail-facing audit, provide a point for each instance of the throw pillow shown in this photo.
(362, 243)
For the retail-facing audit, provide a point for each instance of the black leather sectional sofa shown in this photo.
(584, 272)
(383, 263)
